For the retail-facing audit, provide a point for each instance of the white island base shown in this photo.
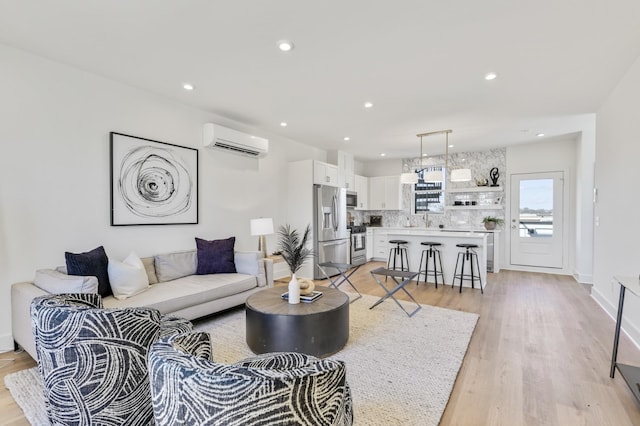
(448, 251)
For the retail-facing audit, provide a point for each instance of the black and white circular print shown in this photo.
(154, 182)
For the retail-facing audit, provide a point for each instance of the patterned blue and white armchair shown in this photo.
(93, 361)
(272, 389)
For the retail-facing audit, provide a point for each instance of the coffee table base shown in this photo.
(297, 328)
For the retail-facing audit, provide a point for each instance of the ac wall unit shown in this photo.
(233, 141)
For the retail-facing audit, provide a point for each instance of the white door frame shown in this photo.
(566, 214)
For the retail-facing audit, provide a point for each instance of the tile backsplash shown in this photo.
(480, 164)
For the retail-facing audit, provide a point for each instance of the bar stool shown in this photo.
(399, 251)
(431, 253)
(467, 256)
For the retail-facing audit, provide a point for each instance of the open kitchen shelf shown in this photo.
(475, 189)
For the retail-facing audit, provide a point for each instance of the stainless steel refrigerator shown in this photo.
(331, 236)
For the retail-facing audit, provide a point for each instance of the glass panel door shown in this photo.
(537, 219)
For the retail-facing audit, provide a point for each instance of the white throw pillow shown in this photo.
(55, 282)
(128, 277)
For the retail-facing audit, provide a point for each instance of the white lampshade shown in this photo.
(409, 178)
(262, 226)
(461, 175)
(432, 176)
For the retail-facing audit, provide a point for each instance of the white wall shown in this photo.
(547, 156)
(617, 251)
(54, 171)
(389, 167)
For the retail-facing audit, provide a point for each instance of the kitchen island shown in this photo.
(448, 250)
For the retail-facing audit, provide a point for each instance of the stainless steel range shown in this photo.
(358, 245)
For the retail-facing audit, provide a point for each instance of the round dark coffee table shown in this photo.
(319, 328)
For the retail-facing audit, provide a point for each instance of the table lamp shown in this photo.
(261, 227)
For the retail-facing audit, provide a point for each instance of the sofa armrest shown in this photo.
(252, 263)
(21, 296)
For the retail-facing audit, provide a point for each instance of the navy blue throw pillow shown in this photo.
(91, 263)
(215, 257)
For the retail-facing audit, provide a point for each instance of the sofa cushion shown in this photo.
(150, 267)
(171, 266)
(55, 282)
(128, 277)
(192, 290)
(216, 256)
(90, 263)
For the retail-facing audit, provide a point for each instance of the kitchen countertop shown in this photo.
(431, 229)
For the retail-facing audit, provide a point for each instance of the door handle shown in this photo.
(335, 213)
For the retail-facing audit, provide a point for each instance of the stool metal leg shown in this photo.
(455, 271)
(441, 270)
(464, 260)
(420, 271)
(469, 257)
(478, 269)
(432, 254)
(403, 251)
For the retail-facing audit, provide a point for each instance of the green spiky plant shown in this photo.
(293, 249)
(497, 220)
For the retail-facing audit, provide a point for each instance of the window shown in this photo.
(428, 196)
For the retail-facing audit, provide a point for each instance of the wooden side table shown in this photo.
(631, 374)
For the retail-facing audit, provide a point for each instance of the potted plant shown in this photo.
(294, 251)
(490, 222)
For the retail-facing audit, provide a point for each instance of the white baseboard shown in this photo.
(583, 278)
(6, 343)
(631, 330)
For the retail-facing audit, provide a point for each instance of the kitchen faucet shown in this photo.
(426, 219)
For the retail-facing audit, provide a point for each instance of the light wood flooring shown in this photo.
(540, 355)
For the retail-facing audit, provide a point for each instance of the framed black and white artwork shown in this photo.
(152, 183)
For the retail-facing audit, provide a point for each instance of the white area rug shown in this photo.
(401, 370)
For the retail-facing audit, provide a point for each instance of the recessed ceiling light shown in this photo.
(540, 135)
(285, 45)
(382, 154)
(425, 155)
(346, 138)
(451, 146)
(283, 124)
(188, 86)
(490, 76)
(368, 105)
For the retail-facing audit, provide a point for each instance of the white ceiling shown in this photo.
(421, 62)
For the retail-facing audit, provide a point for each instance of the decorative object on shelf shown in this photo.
(152, 183)
(494, 175)
(294, 252)
(490, 222)
(482, 182)
(262, 227)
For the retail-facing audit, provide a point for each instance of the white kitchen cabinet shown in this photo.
(347, 181)
(369, 244)
(325, 174)
(384, 193)
(380, 245)
(362, 189)
(345, 163)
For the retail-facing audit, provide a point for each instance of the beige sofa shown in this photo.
(174, 289)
